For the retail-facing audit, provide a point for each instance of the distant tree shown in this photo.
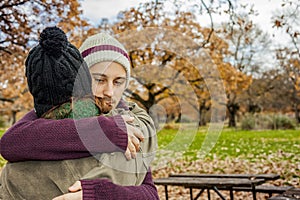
(287, 19)
(270, 92)
(20, 25)
(179, 46)
(247, 43)
(289, 61)
(288, 56)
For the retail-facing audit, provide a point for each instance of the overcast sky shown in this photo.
(94, 10)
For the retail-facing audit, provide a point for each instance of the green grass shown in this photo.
(1, 132)
(233, 143)
(230, 143)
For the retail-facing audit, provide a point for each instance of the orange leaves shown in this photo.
(277, 24)
(23, 21)
(234, 80)
(297, 85)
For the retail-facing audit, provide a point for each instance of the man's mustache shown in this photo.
(99, 101)
(104, 99)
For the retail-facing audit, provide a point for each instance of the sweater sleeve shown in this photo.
(33, 138)
(104, 189)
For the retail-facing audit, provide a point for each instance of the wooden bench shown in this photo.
(249, 176)
(181, 180)
(291, 194)
(269, 189)
(209, 183)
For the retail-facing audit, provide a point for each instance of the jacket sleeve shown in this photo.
(103, 189)
(33, 138)
(146, 125)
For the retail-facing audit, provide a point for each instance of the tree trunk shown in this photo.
(202, 112)
(14, 116)
(178, 120)
(297, 113)
(232, 119)
(202, 121)
(232, 110)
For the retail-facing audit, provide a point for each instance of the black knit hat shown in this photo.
(56, 71)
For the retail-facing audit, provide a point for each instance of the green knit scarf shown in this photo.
(76, 109)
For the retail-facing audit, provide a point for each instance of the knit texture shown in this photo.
(14, 147)
(81, 108)
(103, 189)
(56, 71)
(103, 47)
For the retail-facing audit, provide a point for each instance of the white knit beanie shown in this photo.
(103, 47)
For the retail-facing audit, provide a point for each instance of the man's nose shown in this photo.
(109, 89)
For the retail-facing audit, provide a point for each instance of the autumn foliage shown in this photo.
(21, 23)
(179, 65)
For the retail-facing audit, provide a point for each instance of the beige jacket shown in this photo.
(32, 180)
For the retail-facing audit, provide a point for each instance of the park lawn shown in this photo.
(232, 152)
(231, 142)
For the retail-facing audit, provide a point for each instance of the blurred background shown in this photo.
(253, 46)
(207, 71)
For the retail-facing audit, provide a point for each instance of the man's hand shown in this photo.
(134, 137)
(75, 193)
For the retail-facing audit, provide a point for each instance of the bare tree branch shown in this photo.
(211, 24)
(13, 4)
(6, 100)
(5, 50)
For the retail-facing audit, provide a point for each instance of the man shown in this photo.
(109, 82)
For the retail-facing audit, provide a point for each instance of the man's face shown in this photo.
(109, 79)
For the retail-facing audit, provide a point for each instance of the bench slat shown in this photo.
(249, 176)
(207, 182)
(265, 189)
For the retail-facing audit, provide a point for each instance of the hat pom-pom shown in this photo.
(54, 41)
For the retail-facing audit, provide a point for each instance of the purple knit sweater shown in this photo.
(17, 146)
(104, 189)
(55, 141)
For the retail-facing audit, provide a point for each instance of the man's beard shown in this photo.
(103, 104)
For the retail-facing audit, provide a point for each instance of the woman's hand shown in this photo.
(74, 194)
(135, 136)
